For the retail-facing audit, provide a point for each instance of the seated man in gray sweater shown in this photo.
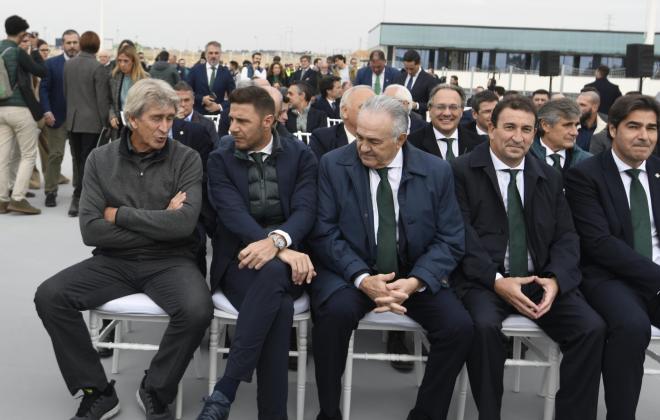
(140, 203)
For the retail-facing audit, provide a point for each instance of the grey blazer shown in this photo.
(86, 93)
(599, 143)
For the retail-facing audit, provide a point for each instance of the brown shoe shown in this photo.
(35, 180)
(3, 207)
(63, 180)
(22, 206)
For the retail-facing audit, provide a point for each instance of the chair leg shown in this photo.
(179, 400)
(348, 380)
(462, 394)
(115, 353)
(517, 351)
(197, 362)
(94, 322)
(213, 354)
(553, 380)
(301, 332)
(128, 327)
(419, 368)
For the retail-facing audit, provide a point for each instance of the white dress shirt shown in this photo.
(644, 180)
(503, 178)
(442, 144)
(414, 78)
(480, 131)
(209, 71)
(548, 152)
(349, 136)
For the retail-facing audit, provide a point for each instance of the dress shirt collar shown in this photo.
(501, 166)
(623, 166)
(208, 67)
(548, 150)
(397, 162)
(439, 135)
(268, 149)
(350, 137)
(480, 131)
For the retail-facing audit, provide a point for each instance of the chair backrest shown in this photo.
(333, 121)
(215, 119)
(302, 136)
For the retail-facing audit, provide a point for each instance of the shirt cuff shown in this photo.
(498, 276)
(283, 234)
(358, 279)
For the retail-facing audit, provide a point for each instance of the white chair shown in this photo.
(333, 121)
(136, 307)
(302, 136)
(524, 330)
(652, 353)
(386, 321)
(215, 119)
(225, 314)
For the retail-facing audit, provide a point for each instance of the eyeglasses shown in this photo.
(444, 107)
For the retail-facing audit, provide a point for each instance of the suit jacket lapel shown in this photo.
(653, 171)
(618, 194)
(283, 166)
(531, 174)
(360, 178)
(462, 143)
(430, 143)
(340, 135)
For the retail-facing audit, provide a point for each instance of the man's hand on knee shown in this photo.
(302, 269)
(257, 254)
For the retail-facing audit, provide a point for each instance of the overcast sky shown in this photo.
(321, 26)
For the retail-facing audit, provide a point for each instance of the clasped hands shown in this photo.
(510, 289)
(210, 105)
(110, 213)
(258, 253)
(389, 296)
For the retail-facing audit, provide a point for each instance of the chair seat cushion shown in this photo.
(517, 322)
(655, 332)
(138, 304)
(389, 319)
(221, 302)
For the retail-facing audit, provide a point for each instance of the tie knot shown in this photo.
(212, 67)
(633, 173)
(449, 140)
(555, 156)
(258, 156)
(512, 174)
(382, 172)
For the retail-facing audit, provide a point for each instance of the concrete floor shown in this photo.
(32, 248)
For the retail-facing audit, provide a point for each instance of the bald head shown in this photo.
(277, 97)
(351, 103)
(261, 82)
(401, 93)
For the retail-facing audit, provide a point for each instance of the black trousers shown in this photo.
(442, 315)
(571, 322)
(81, 145)
(264, 299)
(629, 322)
(174, 284)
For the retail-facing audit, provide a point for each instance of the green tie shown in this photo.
(517, 231)
(377, 87)
(639, 214)
(450, 151)
(212, 79)
(556, 161)
(386, 254)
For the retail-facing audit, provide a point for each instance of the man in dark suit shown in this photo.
(328, 102)
(378, 74)
(522, 256)
(186, 111)
(387, 236)
(326, 139)
(263, 189)
(607, 90)
(51, 95)
(301, 115)
(483, 104)
(403, 95)
(558, 123)
(417, 81)
(211, 82)
(443, 136)
(306, 74)
(615, 199)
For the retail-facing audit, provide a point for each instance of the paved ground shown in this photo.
(35, 247)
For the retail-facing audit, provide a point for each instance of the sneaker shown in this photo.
(98, 405)
(216, 407)
(3, 207)
(51, 199)
(22, 206)
(151, 404)
(63, 180)
(73, 208)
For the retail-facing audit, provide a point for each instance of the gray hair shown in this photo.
(552, 111)
(346, 97)
(593, 97)
(392, 107)
(212, 43)
(243, 83)
(149, 92)
(401, 93)
(447, 86)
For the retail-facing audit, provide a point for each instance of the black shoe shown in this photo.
(98, 405)
(29, 194)
(73, 208)
(397, 345)
(51, 199)
(216, 407)
(151, 404)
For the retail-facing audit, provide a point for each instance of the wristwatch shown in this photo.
(278, 241)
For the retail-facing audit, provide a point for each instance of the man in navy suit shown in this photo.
(615, 198)
(417, 81)
(522, 257)
(51, 94)
(328, 102)
(187, 113)
(210, 81)
(483, 104)
(326, 139)
(443, 136)
(388, 234)
(306, 74)
(263, 188)
(377, 75)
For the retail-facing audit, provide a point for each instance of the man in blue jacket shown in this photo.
(51, 94)
(378, 75)
(388, 234)
(210, 81)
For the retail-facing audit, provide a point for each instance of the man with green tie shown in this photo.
(211, 81)
(557, 129)
(522, 257)
(615, 199)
